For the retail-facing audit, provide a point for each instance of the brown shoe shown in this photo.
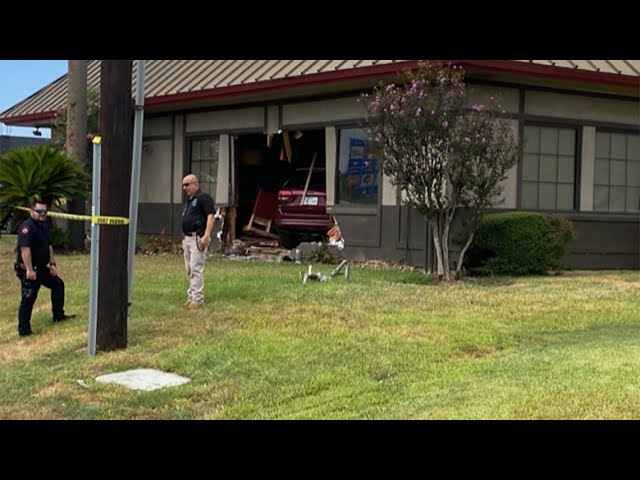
(186, 304)
(193, 306)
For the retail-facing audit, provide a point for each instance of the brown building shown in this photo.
(216, 118)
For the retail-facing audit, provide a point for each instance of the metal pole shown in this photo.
(95, 243)
(135, 179)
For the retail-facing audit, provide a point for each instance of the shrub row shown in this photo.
(519, 243)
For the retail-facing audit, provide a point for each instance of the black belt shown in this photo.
(21, 266)
(190, 234)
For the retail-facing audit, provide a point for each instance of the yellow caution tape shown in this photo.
(95, 219)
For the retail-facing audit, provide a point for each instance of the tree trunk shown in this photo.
(463, 251)
(116, 129)
(445, 244)
(76, 141)
(437, 245)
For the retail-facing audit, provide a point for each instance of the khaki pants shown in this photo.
(194, 264)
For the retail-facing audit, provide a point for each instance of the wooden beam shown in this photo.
(306, 185)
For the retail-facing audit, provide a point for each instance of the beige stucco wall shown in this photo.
(273, 119)
(178, 157)
(156, 127)
(226, 120)
(481, 94)
(580, 107)
(388, 192)
(340, 109)
(155, 166)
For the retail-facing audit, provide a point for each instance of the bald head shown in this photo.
(190, 184)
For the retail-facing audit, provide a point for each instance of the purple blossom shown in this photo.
(418, 111)
(445, 124)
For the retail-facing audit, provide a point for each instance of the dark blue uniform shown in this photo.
(35, 235)
(195, 213)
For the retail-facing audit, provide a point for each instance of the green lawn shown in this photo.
(385, 345)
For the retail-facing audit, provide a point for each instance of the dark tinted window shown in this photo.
(299, 179)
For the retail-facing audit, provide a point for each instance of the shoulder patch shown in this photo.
(24, 230)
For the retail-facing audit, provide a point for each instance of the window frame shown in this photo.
(614, 131)
(190, 139)
(577, 162)
(341, 203)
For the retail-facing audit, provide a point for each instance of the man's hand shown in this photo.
(31, 274)
(54, 270)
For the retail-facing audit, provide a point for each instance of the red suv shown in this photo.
(303, 220)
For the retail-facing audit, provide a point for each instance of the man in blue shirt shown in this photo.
(36, 266)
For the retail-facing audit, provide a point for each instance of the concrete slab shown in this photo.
(144, 379)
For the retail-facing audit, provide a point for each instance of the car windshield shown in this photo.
(299, 179)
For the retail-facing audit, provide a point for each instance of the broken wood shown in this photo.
(263, 213)
(265, 250)
(287, 145)
(306, 185)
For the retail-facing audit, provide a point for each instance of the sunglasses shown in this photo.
(40, 211)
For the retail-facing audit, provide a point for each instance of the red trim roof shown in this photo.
(549, 71)
(269, 85)
(381, 71)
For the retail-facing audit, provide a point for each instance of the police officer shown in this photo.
(197, 224)
(36, 266)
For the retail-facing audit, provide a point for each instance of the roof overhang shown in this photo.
(41, 119)
(510, 71)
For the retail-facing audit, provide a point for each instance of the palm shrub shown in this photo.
(38, 173)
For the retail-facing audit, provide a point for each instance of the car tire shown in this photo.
(289, 240)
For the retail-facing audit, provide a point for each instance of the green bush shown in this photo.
(60, 239)
(519, 243)
(141, 240)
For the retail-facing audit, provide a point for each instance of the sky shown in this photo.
(21, 78)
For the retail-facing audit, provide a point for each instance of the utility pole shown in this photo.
(76, 136)
(116, 130)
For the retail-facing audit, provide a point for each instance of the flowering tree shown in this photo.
(440, 154)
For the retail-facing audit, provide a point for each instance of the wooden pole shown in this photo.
(306, 185)
(116, 129)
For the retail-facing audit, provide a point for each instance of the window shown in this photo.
(616, 181)
(203, 162)
(548, 168)
(358, 171)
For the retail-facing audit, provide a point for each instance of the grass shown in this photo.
(385, 345)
